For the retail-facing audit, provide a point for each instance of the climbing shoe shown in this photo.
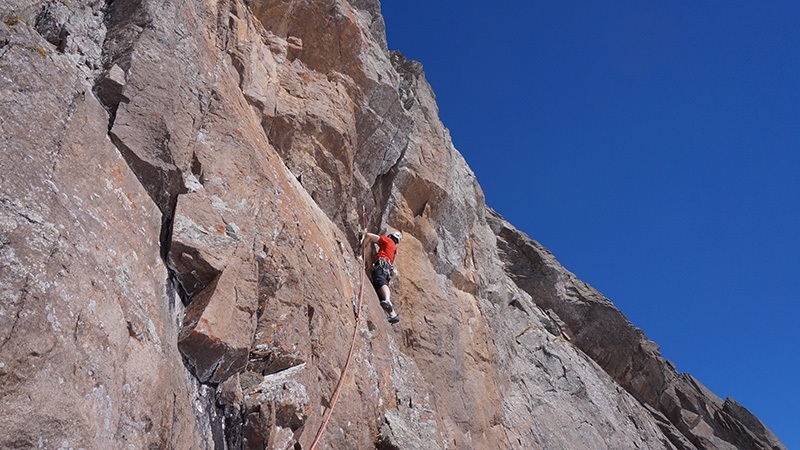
(386, 305)
(394, 319)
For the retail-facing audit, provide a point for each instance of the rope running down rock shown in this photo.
(350, 355)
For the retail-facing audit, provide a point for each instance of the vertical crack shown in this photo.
(23, 295)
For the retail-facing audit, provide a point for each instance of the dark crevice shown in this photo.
(161, 179)
(125, 20)
(197, 169)
(50, 24)
(385, 443)
(215, 415)
(108, 92)
(267, 362)
(382, 187)
(419, 211)
(515, 303)
(165, 235)
(24, 293)
(233, 418)
(310, 316)
(195, 308)
(179, 290)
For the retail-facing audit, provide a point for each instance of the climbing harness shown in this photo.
(352, 348)
(383, 264)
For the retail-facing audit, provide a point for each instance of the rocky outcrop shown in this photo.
(182, 190)
(688, 413)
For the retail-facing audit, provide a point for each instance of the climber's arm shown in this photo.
(369, 238)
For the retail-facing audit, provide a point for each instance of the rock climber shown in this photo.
(382, 270)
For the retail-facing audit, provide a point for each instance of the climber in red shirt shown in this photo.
(382, 270)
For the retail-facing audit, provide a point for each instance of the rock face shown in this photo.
(182, 190)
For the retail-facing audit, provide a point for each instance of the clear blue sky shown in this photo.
(655, 150)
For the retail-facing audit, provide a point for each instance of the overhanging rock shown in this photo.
(220, 322)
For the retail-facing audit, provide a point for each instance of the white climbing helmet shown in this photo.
(396, 236)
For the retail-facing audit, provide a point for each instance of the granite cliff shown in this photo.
(182, 187)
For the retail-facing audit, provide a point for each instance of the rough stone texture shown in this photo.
(182, 185)
(88, 354)
(690, 415)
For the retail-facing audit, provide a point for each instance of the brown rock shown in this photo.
(179, 267)
(202, 243)
(219, 323)
(87, 334)
(110, 88)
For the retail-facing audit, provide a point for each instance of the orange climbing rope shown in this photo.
(349, 355)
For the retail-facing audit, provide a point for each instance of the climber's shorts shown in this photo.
(381, 273)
